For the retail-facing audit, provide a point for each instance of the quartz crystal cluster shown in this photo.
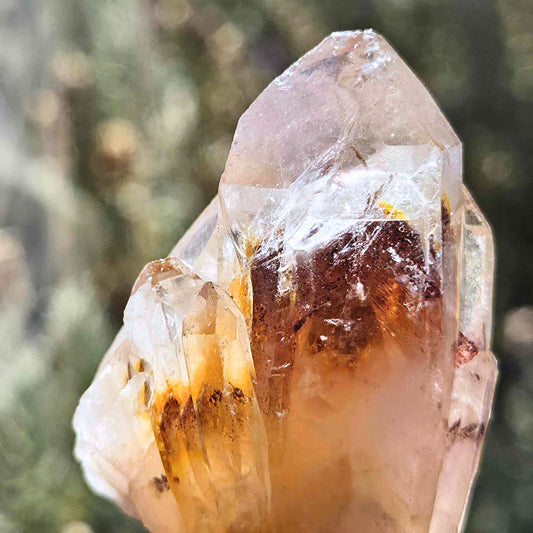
(313, 356)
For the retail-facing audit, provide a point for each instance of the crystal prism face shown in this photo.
(314, 354)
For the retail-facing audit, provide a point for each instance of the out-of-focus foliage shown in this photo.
(115, 121)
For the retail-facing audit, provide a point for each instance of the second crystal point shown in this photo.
(203, 408)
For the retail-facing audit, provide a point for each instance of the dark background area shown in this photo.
(115, 121)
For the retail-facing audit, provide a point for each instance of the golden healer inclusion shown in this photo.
(313, 356)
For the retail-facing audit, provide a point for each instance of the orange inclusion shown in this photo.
(389, 210)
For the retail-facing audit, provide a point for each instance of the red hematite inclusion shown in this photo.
(314, 355)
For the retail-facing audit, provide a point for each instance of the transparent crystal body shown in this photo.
(317, 358)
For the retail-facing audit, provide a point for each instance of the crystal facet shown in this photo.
(314, 354)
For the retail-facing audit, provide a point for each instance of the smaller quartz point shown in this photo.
(315, 354)
(203, 409)
(475, 375)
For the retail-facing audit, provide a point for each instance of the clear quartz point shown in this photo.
(475, 375)
(316, 354)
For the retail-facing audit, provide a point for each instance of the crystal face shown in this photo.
(314, 354)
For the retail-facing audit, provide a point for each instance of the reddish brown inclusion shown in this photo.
(367, 281)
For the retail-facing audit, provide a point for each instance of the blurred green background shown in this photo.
(115, 121)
